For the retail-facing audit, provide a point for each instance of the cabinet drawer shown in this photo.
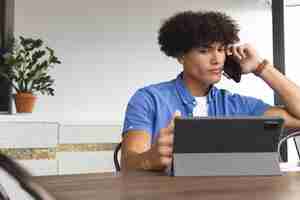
(74, 134)
(85, 162)
(40, 167)
(28, 134)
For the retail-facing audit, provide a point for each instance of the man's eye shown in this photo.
(202, 50)
(221, 49)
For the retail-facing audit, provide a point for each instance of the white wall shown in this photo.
(292, 41)
(109, 49)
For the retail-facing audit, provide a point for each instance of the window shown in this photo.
(292, 42)
(6, 32)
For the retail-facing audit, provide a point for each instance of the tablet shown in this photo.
(216, 146)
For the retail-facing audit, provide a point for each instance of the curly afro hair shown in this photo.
(187, 30)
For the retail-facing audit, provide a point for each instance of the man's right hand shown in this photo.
(160, 155)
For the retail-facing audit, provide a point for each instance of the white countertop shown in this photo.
(30, 117)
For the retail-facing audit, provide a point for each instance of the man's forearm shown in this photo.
(134, 161)
(139, 161)
(287, 90)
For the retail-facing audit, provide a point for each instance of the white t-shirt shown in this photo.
(201, 108)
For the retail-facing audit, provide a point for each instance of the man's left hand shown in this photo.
(247, 56)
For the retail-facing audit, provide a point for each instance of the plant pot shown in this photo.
(24, 102)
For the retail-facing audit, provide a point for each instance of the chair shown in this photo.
(297, 144)
(296, 138)
(116, 160)
(22, 178)
(290, 133)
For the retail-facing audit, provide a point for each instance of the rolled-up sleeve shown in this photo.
(139, 113)
(256, 106)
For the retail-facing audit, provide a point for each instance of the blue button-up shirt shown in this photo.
(151, 108)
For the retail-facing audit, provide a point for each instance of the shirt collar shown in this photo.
(185, 94)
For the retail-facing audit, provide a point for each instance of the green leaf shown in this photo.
(29, 64)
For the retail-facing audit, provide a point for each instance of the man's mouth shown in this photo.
(216, 71)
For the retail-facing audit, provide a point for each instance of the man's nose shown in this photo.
(217, 57)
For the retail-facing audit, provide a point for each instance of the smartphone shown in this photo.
(232, 69)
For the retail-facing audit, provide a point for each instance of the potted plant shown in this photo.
(27, 70)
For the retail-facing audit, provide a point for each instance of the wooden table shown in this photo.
(153, 186)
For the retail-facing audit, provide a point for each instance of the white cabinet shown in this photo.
(60, 148)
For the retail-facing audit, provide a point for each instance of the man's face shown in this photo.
(204, 64)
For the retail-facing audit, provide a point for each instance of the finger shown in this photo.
(177, 114)
(241, 51)
(165, 151)
(236, 54)
(166, 161)
(166, 140)
(165, 137)
(162, 132)
(249, 51)
(229, 50)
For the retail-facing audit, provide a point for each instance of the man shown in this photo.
(200, 41)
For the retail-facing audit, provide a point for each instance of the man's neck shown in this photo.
(196, 88)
